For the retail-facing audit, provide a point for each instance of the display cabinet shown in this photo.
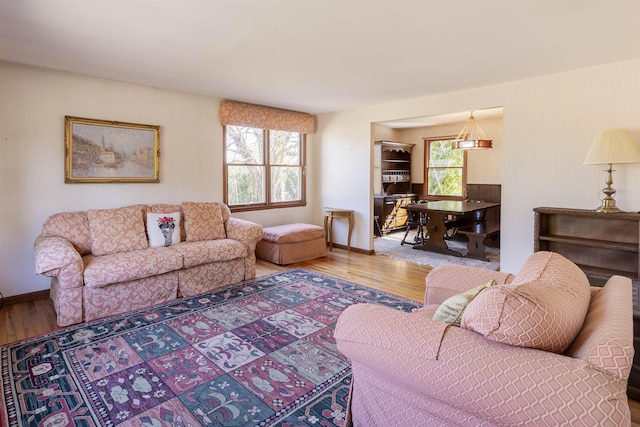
(392, 168)
(391, 185)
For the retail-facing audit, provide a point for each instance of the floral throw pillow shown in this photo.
(203, 221)
(163, 229)
(117, 230)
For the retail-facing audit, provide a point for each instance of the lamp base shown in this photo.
(606, 209)
(609, 203)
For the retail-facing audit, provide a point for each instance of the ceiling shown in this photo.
(443, 119)
(318, 55)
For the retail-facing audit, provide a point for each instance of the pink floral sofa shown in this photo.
(108, 261)
(541, 348)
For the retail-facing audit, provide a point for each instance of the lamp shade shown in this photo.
(612, 146)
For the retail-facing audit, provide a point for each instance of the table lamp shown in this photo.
(608, 147)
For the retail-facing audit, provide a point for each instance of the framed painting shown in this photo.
(103, 151)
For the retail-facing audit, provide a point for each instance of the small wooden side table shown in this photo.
(329, 214)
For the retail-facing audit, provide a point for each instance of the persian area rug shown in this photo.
(389, 245)
(260, 353)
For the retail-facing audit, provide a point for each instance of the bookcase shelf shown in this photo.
(602, 245)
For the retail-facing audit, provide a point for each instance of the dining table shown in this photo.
(438, 213)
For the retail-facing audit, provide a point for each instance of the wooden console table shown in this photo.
(329, 214)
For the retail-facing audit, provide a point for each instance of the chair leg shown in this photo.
(404, 239)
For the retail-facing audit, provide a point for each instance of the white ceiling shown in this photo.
(318, 55)
(443, 119)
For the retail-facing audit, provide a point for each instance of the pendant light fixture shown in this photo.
(472, 137)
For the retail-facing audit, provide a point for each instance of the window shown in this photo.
(263, 168)
(446, 175)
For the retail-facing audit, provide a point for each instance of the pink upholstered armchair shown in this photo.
(541, 348)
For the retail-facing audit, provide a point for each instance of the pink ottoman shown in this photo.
(289, 243)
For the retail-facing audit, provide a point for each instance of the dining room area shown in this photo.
(447, 231)
(437, 187)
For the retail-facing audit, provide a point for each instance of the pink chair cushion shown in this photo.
(544, 307)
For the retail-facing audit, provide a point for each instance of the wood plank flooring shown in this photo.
(27, 319)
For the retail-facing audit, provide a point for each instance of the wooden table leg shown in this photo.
(350, 230)
(437, 230)
(476, 248)
(328, 225)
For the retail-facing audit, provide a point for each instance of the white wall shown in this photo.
(32, 109)
(548, 125)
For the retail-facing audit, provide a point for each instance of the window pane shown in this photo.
(245, 145)
(286, 184)
(445, 182)
(284, 148)
(442, 155)
(245, 185)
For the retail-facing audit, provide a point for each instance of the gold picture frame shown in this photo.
(102, 151)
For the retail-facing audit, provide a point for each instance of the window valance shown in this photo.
(241, 114)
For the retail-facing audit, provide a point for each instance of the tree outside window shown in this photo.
(446, 170)
(264, 168)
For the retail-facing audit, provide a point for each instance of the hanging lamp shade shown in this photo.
(471, 136)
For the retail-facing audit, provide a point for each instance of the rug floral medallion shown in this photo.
(260, 353)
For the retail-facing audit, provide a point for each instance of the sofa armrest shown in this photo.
(606, 337)
(474, 374)
(53, 253)
(447, 280)
(244, 231)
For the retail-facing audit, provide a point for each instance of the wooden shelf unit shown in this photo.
(392, 168)
(391, 185)
(602, 244)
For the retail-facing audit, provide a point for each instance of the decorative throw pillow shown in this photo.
(546, 312)
(117, 230)
(167, 208)
(163, 229)
(450, 311)
(203, 221)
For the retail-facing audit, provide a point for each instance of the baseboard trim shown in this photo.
(17, 299)
(358, 250)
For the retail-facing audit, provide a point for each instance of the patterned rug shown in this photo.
(390, 246)
(260, 353)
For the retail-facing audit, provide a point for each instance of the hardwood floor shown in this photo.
(27, 319)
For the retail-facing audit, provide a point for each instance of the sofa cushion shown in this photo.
(451, 310)
(203, 221)
(544, 307)
(163, 229)
(206, 251)
(117, 230)
(73, 226)
(126, 266)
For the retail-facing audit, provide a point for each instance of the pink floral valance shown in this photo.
(241, 114)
